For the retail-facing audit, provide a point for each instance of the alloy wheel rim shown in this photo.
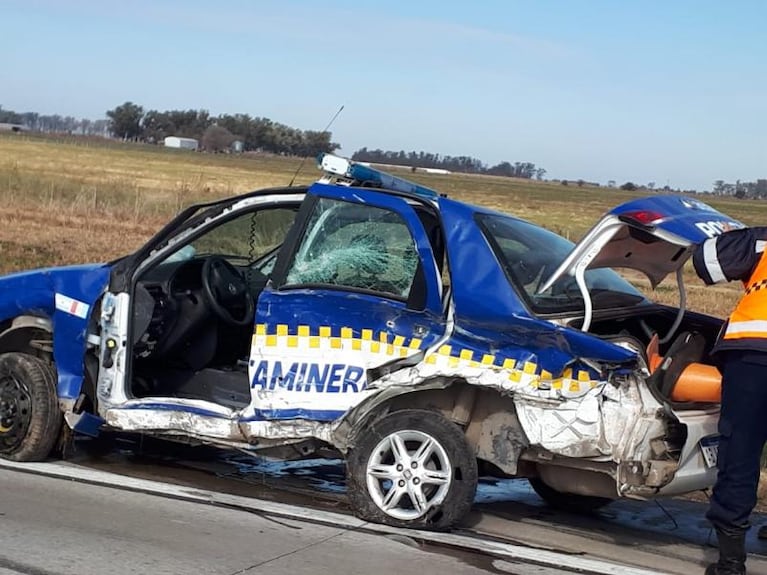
(408, 473)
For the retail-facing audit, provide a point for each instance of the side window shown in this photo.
(355, 246)
(249, 237)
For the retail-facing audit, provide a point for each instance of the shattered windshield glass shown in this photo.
(530, 254)
(355, 246)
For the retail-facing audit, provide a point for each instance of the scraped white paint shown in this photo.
(175, 420)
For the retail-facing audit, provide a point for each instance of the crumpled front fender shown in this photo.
(64, 296)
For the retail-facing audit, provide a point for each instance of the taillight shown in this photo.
(642, 217)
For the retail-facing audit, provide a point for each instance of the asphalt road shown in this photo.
(52, 526)
(98, 516)
(667, 536)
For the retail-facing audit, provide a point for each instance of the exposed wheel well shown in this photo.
(487, 417)
(28, 334)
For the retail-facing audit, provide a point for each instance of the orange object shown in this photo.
(653, 357)
(698, 382)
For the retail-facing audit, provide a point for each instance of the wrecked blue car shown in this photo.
(425, 340)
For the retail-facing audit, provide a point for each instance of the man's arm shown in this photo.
(730, 256)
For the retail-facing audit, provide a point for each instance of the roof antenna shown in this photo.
(301, 165)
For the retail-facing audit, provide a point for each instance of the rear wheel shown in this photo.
(571, 502)
(30, 419)
(412, 468)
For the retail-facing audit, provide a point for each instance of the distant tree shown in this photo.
(739, 192)
(719, 187)
(315, 143)
(157, 126)
(85, 126)
(30, 120)
(125, 120)
(524, 170)
(629, 186)
(100, 127)
(502, 169)
(610, 183)
(650, 185)
(10, 117)
(216, 138)
(465, 164)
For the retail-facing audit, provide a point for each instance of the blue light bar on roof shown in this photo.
(361, 174)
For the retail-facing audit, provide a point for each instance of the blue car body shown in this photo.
(520, 353)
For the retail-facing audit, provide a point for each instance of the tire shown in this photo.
(433, 489)
(30, 419)
(570, 502)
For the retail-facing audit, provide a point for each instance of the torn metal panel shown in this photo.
(573, 417)
(290, 429)
(196, 417)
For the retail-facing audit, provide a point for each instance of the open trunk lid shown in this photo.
(654, 235)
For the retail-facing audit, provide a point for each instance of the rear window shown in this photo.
(529, 254)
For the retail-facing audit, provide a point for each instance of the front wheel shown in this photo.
(412, 468)
(30, 419)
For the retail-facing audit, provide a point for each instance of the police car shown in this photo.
(425, 340)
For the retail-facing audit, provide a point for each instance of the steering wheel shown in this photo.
(226, 292)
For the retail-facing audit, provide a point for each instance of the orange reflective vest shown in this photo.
(747, 325)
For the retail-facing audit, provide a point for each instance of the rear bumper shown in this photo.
(693, 473)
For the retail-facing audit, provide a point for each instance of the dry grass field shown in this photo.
(75, 200)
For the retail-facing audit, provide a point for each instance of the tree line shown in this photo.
(464, 164)
(129, 121)
(55, 123)
(752, 190)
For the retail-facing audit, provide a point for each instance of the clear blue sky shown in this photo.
(654, 90)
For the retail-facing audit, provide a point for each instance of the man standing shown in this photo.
(741, 352)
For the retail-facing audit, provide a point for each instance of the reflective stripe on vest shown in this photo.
(749, 318)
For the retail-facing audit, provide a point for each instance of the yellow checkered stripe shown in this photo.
(335, 338)
(519, 371)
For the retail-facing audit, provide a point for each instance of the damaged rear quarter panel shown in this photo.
(569, 406)
(575, 395)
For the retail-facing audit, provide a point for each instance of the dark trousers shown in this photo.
(743, 432)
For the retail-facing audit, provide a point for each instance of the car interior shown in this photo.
(193, 312)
